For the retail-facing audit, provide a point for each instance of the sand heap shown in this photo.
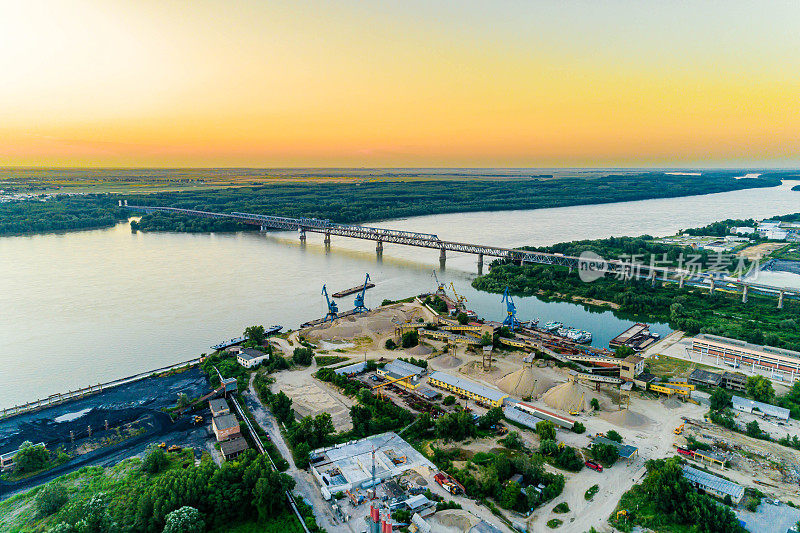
(448, 361)
(627, 419)
(566, 396)
(419, 349)
(524, 382)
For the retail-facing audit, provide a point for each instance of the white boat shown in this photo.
(552, 326)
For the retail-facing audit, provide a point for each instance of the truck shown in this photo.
(447, 483)
(594, 466)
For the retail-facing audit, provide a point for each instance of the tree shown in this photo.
(301, 454)
(410, 339)
(303, 356)
(390, 344)
(269, 493)
(94, 516)
(613, 435)
(455, 426)
(623, 351)
(184, 520)
(605, 453)
(595, 404)
(30, 458)
(282, 408)
(256, 334)
(492, 417)
(361, 417)
(51, 498)
(183, 400)
(760, 389)
(486, 339)
(462, 318)
(720, 399)
(155, 461)
(546, 430)
(510, 495)
(323, 426)
(548, 447)
(753, 430)
(512, 441)
(577, 427)
(449, 400)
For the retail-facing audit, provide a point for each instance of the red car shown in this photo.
(594, 466)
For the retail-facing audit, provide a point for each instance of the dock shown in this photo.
(352, 290)
(271, 330)
(637, 337)
(319, 321)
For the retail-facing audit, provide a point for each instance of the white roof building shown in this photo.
(748, 406)
(249, 357)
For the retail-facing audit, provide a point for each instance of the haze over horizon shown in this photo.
(400, 85)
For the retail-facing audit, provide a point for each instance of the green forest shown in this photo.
(693, 310)
(361, 201)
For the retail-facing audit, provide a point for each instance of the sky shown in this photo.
(435, 83)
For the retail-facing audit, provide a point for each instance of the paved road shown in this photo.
(304, 482)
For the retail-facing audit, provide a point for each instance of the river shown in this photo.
(85, 307)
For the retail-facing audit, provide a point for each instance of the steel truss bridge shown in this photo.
(624, 269)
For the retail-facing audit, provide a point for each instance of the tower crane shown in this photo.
(510, 320)
(359, 302)
(460, 300)
(440, 289)
(333, 309)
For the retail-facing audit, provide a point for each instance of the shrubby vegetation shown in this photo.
(61, 213)
(666, 500)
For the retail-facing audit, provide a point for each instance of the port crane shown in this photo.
(379, 387)
(359, 302)
(460, 300)
(510, 320)
(333, 309)
(440, 288)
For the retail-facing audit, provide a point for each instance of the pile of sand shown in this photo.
(448, 361)
(419, 349)
(524, 382)
(452, 520)
(567, 396)
(671, 403)
(627, 419)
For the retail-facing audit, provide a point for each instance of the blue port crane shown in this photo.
(359, 302)
(333, 309)
(510, 320)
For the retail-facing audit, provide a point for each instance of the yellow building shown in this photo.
(467, 389)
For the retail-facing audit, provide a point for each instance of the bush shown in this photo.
(443, 506)
(184, 520)
(578, 428)
(561, 508)
(613, 435)
(595, 404)
(302, 356)
(591, 491)
(390, 344)
(554, 523)
(51, 498)
(410, 339)
(30, 458)
(155, 461)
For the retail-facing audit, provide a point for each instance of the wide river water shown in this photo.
(90, 306)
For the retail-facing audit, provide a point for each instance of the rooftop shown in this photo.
(716, 483)
(355, 368)
(745, 404)
(747, 345)
(634, 359)
(218, 404)
(626, 451)
(705, 376)
(403, 368)
(251, 353)
(225, 422)
(232, 446)
(474, 388)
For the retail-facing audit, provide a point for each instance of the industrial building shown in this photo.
(752, 406)
(218, 407)
(250, 357)
(528, 415)
(467, 389)
(630, 367)
(713, 485)
(780, 363)
(225, 427)
(705, 378)
(734, 381)
(398, 369)
(351, 370)
(348, 466)
(232, 448)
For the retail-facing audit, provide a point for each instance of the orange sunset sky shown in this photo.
(405, 83)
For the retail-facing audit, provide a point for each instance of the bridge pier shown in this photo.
(302, 236)
(327, 240)
(653, 278)
(712, 286)
(780, 300)
(744, 294)
(379, 247)
(680, 282)
(442, 257)
(480, 264)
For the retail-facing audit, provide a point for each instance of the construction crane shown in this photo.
(333, 309)
(379, 387)
(460, 300)
(440, 288)
(510, 320)
(359, 303)
(578, 405)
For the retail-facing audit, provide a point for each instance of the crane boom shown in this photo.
(359, 302)
(333, 309)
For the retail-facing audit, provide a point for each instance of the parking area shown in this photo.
(770, 518)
